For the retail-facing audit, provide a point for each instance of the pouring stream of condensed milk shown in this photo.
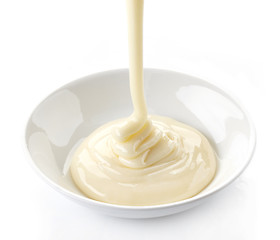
(142, 160)
(135, 41)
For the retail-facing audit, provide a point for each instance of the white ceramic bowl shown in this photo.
(71, 113)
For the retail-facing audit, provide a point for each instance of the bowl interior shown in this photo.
(71, 113)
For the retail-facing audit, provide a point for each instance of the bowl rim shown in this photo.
(72, 195)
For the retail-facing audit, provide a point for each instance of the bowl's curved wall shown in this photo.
(72, 112)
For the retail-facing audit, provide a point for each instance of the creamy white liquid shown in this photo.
(142, 160)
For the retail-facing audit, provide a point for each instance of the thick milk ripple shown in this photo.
(154, 143)
(165, 161)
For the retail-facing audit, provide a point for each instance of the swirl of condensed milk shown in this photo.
(148, 146)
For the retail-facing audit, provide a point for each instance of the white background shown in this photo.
(46, 44)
